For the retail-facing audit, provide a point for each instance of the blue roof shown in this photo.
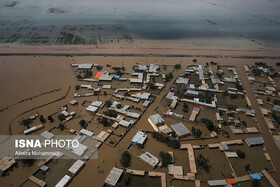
(256, 176)
(225, 147)
(117, 76)
(255, 141)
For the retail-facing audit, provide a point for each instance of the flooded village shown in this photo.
(156, 93)
(150, 121)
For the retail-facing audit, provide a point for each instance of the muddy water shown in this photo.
(23, 77)
(246, 23)
(139, 181)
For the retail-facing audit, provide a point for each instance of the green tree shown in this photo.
(79, 76)
(77, 87)
(108, 103)
(185, 107)
(61, 117)
(111, 113)
(50, 118)
(127, 179)
(83, 123)
(61, 126)
(256, 183)
(26, 122)
(209, 124)
(28, 162)
(203, 162)
(42, 119)
(104, 121)
(165, 158)
(241, 154)
(177, 66)
(247, 167)
(125, 159)
(119, 106)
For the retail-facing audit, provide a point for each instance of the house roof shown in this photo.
(171, 96)
(113, 176)
(142, 67)
(76, 166)
(64, 181)
(256, 176)
(98, 74)
(96, 103)
(47, 135)
(180, 129)
(139, 137)
(255, 141)
(86, 132)
(153, 68)
(217, 182)
(230, 181)
(157, 119)
(91, 108)
(85, 66)
(182, 80)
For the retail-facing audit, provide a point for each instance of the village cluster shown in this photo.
(203, 113)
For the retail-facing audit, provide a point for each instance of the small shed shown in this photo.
(255, 176)
(217, 182)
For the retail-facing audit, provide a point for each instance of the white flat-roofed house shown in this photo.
(85, 66)
(91, 108)
(47, 135)
(139, 138)
(157, 120)
(114, 176)
(76, 167)
(80, 150)
(149, 159)
(86, 132)
(98, 104)
(64, 181)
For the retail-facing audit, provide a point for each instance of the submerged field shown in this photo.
(244, 23)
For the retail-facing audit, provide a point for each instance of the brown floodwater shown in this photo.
(26, 76)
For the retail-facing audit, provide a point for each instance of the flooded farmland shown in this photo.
(244, 23)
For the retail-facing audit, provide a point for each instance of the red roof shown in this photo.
(98, 74)
(230, 181)
(197, 108)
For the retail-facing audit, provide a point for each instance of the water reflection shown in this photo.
(216, 22)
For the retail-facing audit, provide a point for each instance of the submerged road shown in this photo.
(270, 144)
(139, 55)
